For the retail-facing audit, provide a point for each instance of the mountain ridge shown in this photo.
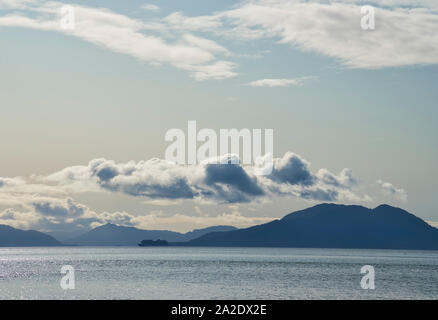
(12, 237)
(325, 225)
(333, 226)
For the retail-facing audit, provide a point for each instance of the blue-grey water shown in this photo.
(216, 273)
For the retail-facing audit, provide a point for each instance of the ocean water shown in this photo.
(216, 273)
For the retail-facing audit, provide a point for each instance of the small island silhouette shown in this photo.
(152, 243)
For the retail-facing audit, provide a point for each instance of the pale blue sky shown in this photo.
(66, 101)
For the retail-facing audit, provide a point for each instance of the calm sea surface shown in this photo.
(216, 273)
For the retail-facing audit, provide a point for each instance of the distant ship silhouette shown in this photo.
(152, 243)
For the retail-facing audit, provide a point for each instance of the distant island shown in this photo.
(11, 237)
(333, 226)
(321, 226)
(152, 243)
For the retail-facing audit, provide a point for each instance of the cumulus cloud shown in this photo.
(389, 189)
(53, 214)
(211, 181)
(64, 215)
(270, 83)
(69, 208)
(10, 182)
(154, 178)
(292, 169)
(46, 202)
(344, 180)
(231, 182)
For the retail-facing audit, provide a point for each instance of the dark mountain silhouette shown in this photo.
(113, 235)
(11, 237)
(333, 226)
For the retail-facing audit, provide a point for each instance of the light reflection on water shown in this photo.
(216, 273)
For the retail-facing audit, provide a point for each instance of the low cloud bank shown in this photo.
(218, 183)
(46, 202)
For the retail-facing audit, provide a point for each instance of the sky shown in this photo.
(85, 109)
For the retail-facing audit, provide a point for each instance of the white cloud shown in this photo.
(396, 3)
(11, 182)
(159, 180)
(332, 28)
(46, 203)
(218, 70)
(389, 189)
(64, 215)
(150, 7)
(125, 35)
(50, 213)
(270, 83)
(205, 44)
(178, 21)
